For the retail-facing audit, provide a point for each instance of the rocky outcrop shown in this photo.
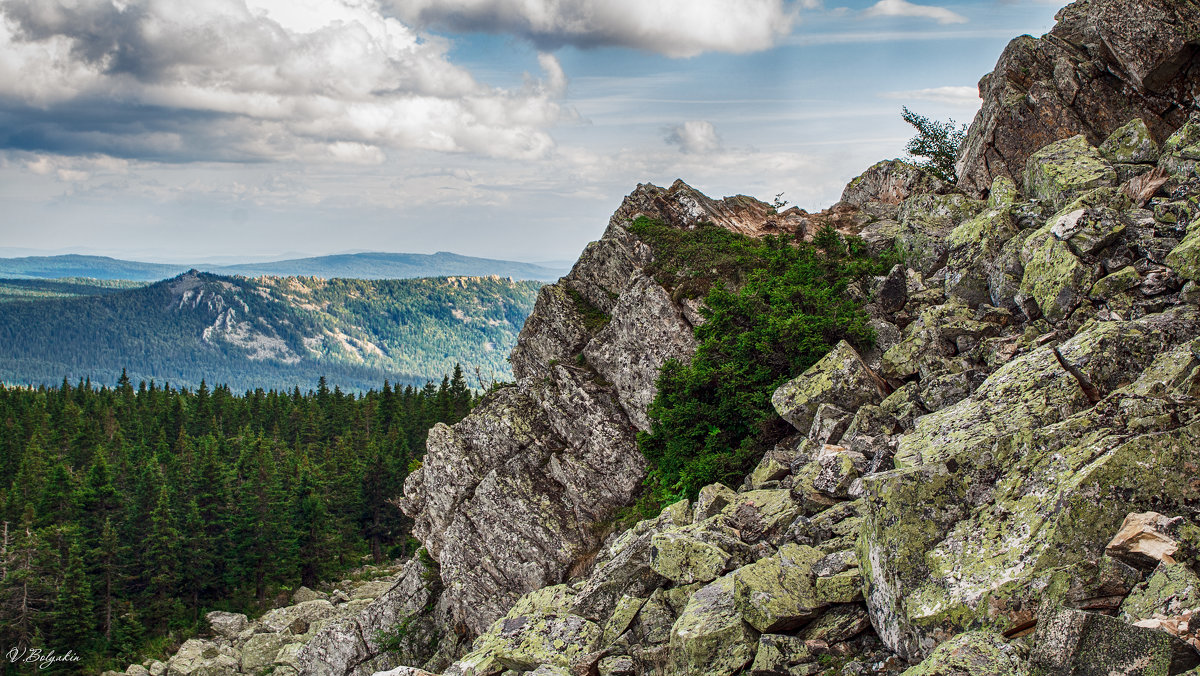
(385, 617)
(1105, 63)
(1009, 491)
(508, 500)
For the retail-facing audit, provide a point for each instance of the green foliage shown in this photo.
(773, 308)
(594, 318)
(355, 332)
(937, 142)
(126, 514)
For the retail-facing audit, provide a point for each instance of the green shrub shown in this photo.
(773, 308)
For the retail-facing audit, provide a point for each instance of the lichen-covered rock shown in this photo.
(1066, 168)
(1181, 152)
(777, 593)
(936, 537)
(201, 658)
(843, 587)
(1110, 285)
(1185, 258)
(225, 624)
(973, 245)
(1105, 63)
(1131, 144)
(260, 650)
(524, 642)
(926, 222)
(291, 617)
(1087, 231)
(1089, 644)
(338, 645)
(646, 330)
(714, 498)
(681, 557)
(839, 378)
(1030, 391)
(1055, 279)
(779, 655)
(710, 637)
(1171, 591)
(974, 653)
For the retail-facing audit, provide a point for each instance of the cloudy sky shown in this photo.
(188, 129)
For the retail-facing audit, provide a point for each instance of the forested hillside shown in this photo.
(268, 332)
(115, 500)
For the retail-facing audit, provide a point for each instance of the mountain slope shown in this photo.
(268, 332)
(371, 265)
(379, 265)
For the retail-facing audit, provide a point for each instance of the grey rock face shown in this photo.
(1105, 63)
(506, 500)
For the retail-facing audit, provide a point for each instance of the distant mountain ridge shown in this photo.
(269, 332)
(368, 265)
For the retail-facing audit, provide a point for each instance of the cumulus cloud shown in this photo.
(908, 9)
(694, 137)
(675, 28)
(251, 80)
(954, 96)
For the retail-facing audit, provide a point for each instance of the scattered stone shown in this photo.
(1145, 539)
(710, 637)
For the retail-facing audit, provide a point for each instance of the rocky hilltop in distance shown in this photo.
(1005, 485)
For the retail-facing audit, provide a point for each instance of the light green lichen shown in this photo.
(1061, 170)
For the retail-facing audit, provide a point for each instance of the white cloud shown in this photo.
(253, 80)
(676, 28)
(908, 9)
(954, 96)
(694, 137)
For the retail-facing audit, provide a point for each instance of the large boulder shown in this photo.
(201, 658)
(839, 378)
(711, 637)
(778, 593)
(1066, 168)
(1105, 63)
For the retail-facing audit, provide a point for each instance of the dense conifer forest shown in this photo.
(130, 511)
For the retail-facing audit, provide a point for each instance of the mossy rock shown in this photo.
(1063, 169)
(981, 540)
(1185, 258)
(1056, 280)
(1118, 282)
(974, 653)
(711, 638)
(1131, 144)
(777, 593)
(681, 557)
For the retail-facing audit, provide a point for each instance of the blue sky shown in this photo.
(187, 129)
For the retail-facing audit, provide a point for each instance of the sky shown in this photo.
(177, 130)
